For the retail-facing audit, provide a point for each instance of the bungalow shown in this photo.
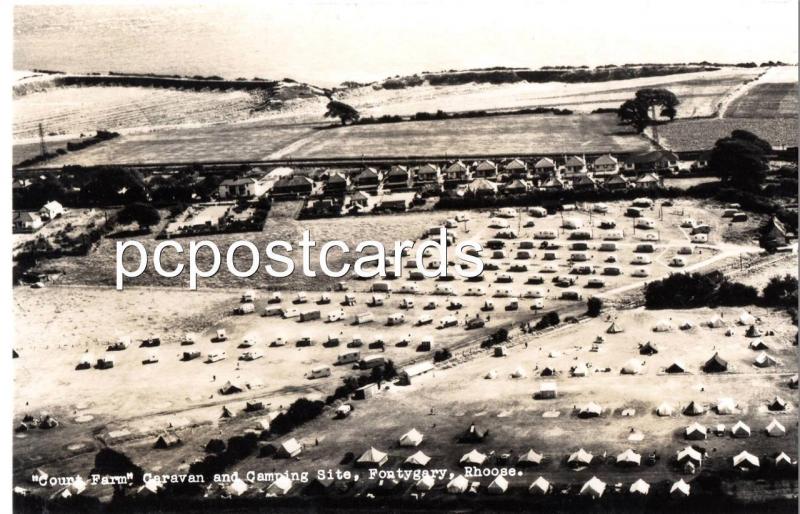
(516, 168)
(482, 187)
(398, 177)
(517, 186)
(616, 183)
(648, 181)
(656, 160)
(24, 221)
(544, 166)
(456, 173)
(51, 210)
(702, 161)
(605, 165)
(575, 164)
(584, 182)
(370, 178)
(244, 187)
(428, 174)
(552, 184)
(359, 199)
(485, 169)
(336, 183)
(296, 186)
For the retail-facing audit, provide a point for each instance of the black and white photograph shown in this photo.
(362, 256)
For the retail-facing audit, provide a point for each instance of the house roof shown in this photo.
(617, 179)
(368, 173)
(336, 177)
(545, 162)
(457, 166)
(238, 181)
(647, 178)
(514, 164)
(605, 160)
(584, 180)
(24, 216)
(486, 165)
(574, 160)
(652, 156)
(481, 184)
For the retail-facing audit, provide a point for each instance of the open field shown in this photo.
(770, 100)
(520, 134)
(699, 93)
(685, 135)
(69, 110)
(210, 143)
(185, 397)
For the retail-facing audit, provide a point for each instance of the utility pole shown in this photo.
(42, 146)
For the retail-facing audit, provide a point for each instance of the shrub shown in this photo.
(593, 306)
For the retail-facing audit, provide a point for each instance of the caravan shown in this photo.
(448, 321)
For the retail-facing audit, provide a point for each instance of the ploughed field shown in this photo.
(701, 134)
(517, 134)
(768, 100)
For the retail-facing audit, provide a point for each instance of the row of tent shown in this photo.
(696, 431)
(723, 406)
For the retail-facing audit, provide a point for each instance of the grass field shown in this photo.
(209, 143)
(492, 135)
(770, 100)
(684, 135)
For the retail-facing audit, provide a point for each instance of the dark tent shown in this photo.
(648, 348)
(473, 435)
(715, 364)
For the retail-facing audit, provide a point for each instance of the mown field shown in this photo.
(493, 135)
(684, 135)
(201, 144)
(770, 100)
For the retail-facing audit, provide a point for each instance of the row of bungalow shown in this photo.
(640, 170)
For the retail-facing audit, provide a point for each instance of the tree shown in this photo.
(593, 306)
(342, 111)
(781, 292)
(741, 160)
(113, 186)
(111, 462)
(142, 214)
(641, 110)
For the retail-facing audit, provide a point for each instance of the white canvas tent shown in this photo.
(665, 409)
(417, 459)
(279, 487)
(629, 457)
(530, 458)
(763, 360)
(237, 487)
(498, 486)
(411, 438)
(372, 457)
(745, 461)
(425, 483)
(580, 458)
(740, 430)
(696, 431)
(640, 487)
(662, 326)
(491, 375)
(775, 428)
(632, 367)
(689, 454)
(726, 406)
(590, 410)
(457, 485)
(593, 487)
(680, 488)
(746, 319)
(474, 457)
(518, 373)
(539, 486)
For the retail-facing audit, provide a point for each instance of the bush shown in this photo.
(442, 355)
(593, 306)
(551, 319)
(781, 292)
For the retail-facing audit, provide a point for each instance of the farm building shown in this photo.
(243, 187)
(51, 210)
(415, 370)
(24, 221)
(773, 234)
